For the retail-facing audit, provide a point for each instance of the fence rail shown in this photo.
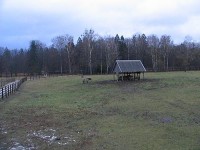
(10, 88)
(4, 81)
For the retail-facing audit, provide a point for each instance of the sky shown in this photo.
(24, 20)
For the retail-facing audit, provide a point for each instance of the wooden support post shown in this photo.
(6, 91)
(117, 76)
(2, 93)
(9, 89)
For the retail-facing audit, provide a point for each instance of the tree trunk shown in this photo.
(156, 61)
(107, 63)
(61, 67)
(69, 61)
(164, 63)
(167, 63)
(101, 63)
(153, 58)
(90, 62)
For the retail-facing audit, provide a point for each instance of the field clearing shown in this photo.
(160, 112)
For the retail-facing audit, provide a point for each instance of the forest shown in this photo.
(94, 54)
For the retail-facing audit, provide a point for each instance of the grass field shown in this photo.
(161, 112)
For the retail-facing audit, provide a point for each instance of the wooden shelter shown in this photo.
(128, 69)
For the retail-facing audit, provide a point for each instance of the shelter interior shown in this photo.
(129, 76)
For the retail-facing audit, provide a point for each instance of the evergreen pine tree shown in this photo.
(32, 59)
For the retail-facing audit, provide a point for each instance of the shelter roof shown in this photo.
(130, 66)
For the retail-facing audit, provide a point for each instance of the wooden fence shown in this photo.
(10, 88)
(4, 81)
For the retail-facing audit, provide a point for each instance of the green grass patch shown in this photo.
(159, 112)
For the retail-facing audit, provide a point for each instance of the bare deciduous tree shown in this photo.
(69, 47)
(165, 43)
(88, 40)
(111, 52)
(153, 42)
(61, 43)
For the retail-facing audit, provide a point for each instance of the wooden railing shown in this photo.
(11, 87)
(4, 81)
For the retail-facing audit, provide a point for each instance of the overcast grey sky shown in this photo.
(25, 20)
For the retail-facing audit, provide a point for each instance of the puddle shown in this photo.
(3, 128)
(48, 136)
(3, 131)
(18, 146)
(166, 120)
(52, 137)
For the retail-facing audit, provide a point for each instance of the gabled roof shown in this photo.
(128, 66)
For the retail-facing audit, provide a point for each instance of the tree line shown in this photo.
(94, 54)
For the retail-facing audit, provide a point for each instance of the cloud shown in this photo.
(44, 19)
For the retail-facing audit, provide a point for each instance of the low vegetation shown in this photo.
(159, 112)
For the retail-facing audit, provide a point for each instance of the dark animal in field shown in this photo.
(86, 79)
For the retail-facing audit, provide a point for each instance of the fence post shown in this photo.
(9, 89)
(9, 86)
(12, 88)
(2, 92)
(6, 91)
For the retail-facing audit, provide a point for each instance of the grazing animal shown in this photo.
(86, 79)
